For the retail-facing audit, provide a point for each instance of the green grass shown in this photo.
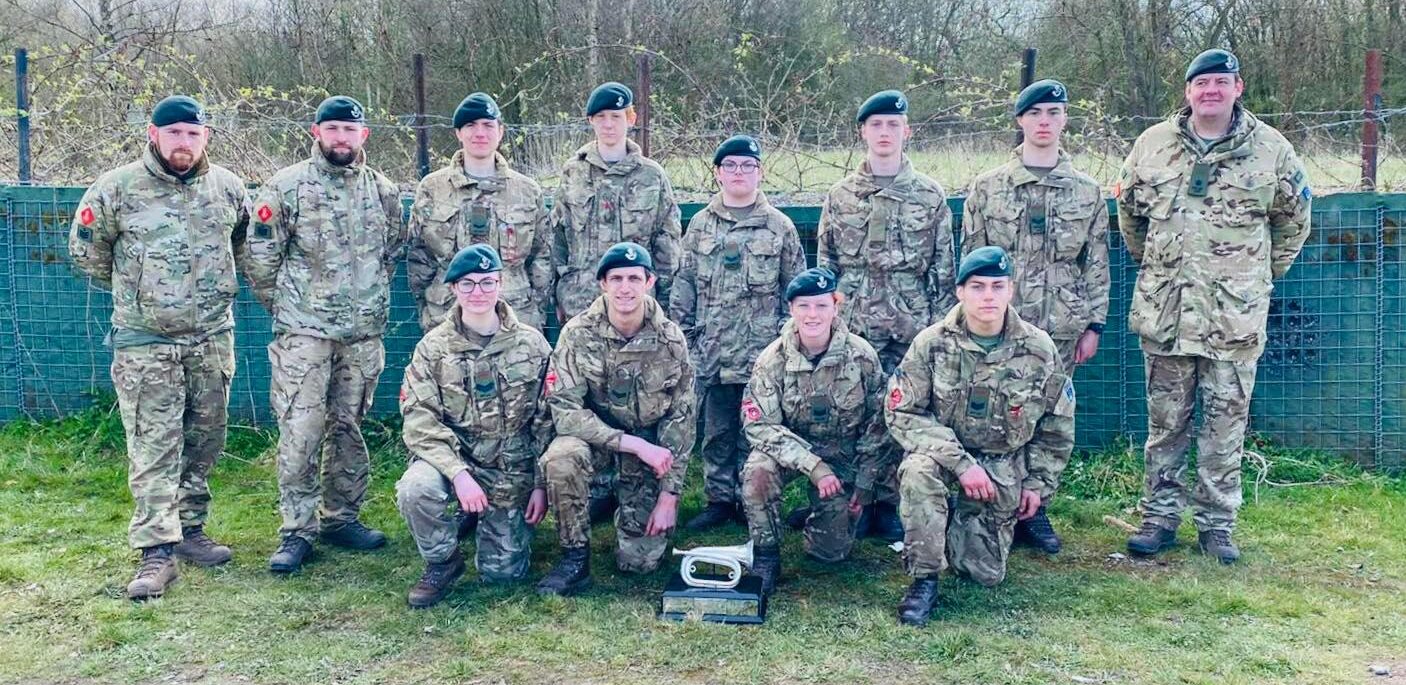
(1317, 599)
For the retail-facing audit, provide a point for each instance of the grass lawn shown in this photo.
(1318, 598)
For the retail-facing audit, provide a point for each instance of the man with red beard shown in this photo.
(162, 234)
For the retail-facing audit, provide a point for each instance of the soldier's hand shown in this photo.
(977, 485)
(855, 508)
(1029, 504)
(659, 459)
(1086, 348)
(470, 495)
(536, 507)
(829, 486)
(664, 516)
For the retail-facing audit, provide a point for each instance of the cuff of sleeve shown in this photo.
(1096, 327)
(450, 473)
(963, 464)
(819, 472)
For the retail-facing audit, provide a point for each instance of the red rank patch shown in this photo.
(751, 410)
(895, 398)
(1015, 412)
(551, 380)
(86, 217)
(264, 213)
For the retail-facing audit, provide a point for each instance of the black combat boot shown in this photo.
(352, 535)
(884, 522)
(602, 509)
(713, 515)
(918, 602)
(1216, 543)
(1037, 532)
(291, 554)
(1152, 539)
(156, 573)
(766, 564)
(434, 584)
(197, 548)
(571, 575)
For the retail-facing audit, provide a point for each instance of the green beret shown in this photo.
(609, 95)
(738, 146)
(479, 258)
(340, 108)
(1039, 93)
(882, 102)
(624, 255)
(177, 109)
(1213, 61)
(474, 107)
(989, 261)
(812, 281)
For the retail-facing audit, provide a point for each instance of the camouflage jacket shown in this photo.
(955, 402)
(892, 251)
(463, 402)
(1056, 230)
(601, 385)
(325, 244)
(453, 210)
(166, 247)
(601, 204)
(727, 296)
(818, 417)
(1210, 230)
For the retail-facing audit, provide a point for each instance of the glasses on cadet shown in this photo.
(467, 286)
(744, 167)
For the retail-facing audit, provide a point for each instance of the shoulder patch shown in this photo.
(895, 398)
(1067, 402)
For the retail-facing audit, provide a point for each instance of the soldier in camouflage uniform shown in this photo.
(474, 425)
(984, 412)
(886, 232)
(1214, 204)
(1053, 222)
(478, 198)
(610, 193)
(162, 234)
(738, 255)
(620, 387)
(813, 408)
(326, 238)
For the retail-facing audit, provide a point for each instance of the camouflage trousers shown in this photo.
(1066, 354)
(1173, 384)
(829, 530)
(174, 401)
(567, 466)
(724, 448)
(977, 539)
(503, 546)
(886, 480)
(320, 390)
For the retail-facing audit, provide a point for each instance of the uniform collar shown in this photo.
(461, 179)
(902, 182)
(796, 358)
(654, 319)
(590, 152)
(1236, 143)
(757, 218)
(1061, 176)
(1014, 332)
(460, 342)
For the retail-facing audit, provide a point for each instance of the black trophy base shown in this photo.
(744, 604)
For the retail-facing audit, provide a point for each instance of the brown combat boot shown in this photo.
(435, 582)
(156, 573)
(197, 548)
